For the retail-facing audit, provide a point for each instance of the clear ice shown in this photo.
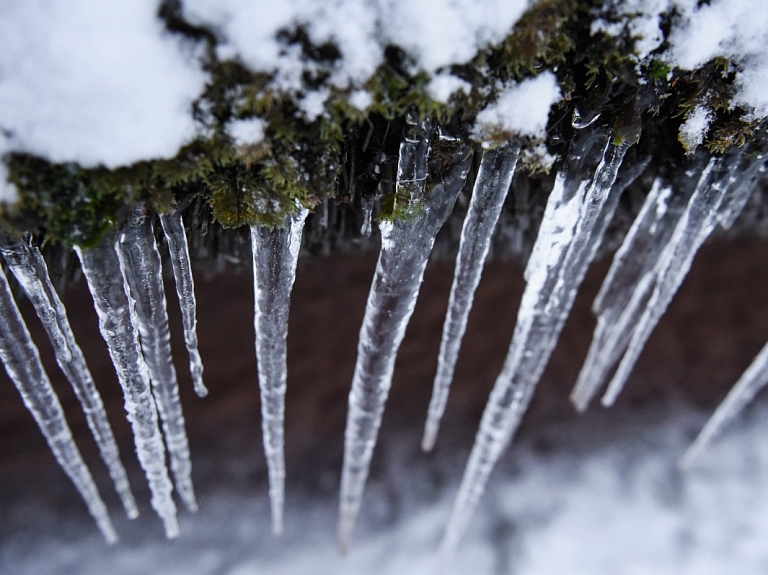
(141, 266)
(117, 322)
(275, 255)
(494, 177)
(173, 228)
(22, 362)
(406, 243)
(694, 226)
(29, 268)
(570, 233)
(750, 383)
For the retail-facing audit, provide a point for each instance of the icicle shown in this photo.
(173, 227)
(405, 247)
(28, 266)
(568, 238)
(22, 362)
(744, 181)
(752, 381)
(615, 305)
(275, 255)
(367, 204)
(117, 323)
(141, 267)
(490, 190)
(695, 225)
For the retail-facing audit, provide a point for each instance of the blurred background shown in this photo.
(590, 494)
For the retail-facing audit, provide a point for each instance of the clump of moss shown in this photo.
(344, 153)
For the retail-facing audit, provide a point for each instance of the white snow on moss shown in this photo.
(436, 33)
(246, 132)
(313, 104)
(695, 128)
(443, 86)
(522, 109)
(94, 82)
(8, 192)
(361, 99)
(735, 29)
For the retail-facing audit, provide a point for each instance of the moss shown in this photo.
(347, 153)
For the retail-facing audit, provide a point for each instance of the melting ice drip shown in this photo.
(123, 274)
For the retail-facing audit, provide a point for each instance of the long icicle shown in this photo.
(494, 177)
(693, 228)
(117, 323)
(141, 266)
(406, 243)
(29, 268)
(749, 384)
(22, 362)
(628, 275)
(275, 255)
(567, 241)
(173, 228)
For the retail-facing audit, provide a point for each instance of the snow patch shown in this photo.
(521, 109)
(9, 194)
(247, 132)
(94, 83)
(695, 128)
(443, 86)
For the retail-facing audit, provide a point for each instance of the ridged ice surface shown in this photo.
(275, 255)
(117, 323)
(29, 268)
(173, 227)
(22, 362)
(406, 244)
(141, 267)
(693, 228)
(567, 240)
(494, 177)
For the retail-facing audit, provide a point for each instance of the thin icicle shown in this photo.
(29, 269)
(141, 266)
(490, 190)
(629, 274)
(744, 181)
(173, 227)
(693, 228)
(367, 205)
(117, 323)
(570, 233)
(406, 245)
(275, 255)
(22, 362)
(750, 383)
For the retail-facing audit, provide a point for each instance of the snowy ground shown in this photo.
(579, 495)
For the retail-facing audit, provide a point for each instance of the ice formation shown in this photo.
(173, 227)
(22, 362)
(275, 255)
(29, 268)
(118, 325)
(406, 244)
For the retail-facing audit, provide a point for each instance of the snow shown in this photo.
(313, 104)
(246, 132)
(695, 128)
(360, 99)
(443, 86)
(9, 194)
(521, 109)
(93, 82)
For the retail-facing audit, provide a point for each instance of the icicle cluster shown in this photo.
(124, 276)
